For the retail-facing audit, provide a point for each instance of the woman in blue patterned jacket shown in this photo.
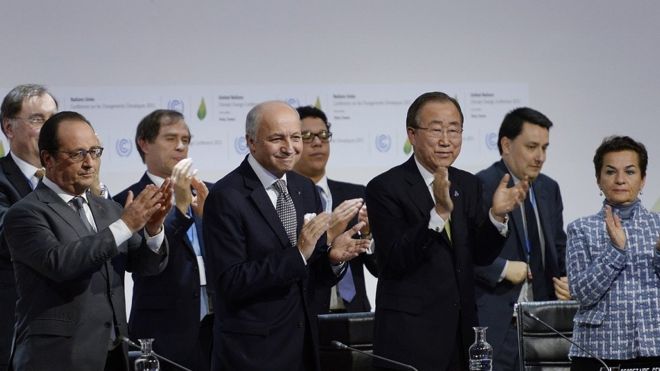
(614, 265)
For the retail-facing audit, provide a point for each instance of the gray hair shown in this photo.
(253, 120)
(13, 102)
(254, 117)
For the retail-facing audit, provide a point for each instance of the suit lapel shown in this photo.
(419, 191)
(516, 214)
(296, 195)
(15, 176)
(68, 215)
(262, 202)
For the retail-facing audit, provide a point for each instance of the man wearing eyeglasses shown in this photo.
(70, 250)
(531, 266)
(24, 110)
(432, 227)
(350, 294)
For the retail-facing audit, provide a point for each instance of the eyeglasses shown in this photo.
(81, 154)
(32, 120)
(438, 132)
(324, 136)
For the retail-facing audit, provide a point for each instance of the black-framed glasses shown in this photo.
(32, 120)
(323, 135)
(452, 132)
(81, 154)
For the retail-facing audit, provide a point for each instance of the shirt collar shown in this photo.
(426, 175)
(158, 181)
(323, 183)
(265, 177)
(65, 196)
(26, 168)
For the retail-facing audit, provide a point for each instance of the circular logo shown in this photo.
(124, 147)
(383, 142)
(293, 102)
(240, 145)
(175, 105)
(491, 141)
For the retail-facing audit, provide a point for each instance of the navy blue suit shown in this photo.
(425, 306)
(13, 187)
(264, 291)
(342, 191)
(166, 307)
(495, 300)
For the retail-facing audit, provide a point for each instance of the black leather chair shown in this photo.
(353, 329)
(540, 348)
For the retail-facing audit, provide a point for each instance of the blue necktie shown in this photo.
(194, 241)
(345, 286)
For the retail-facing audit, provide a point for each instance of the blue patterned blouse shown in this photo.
(618, 290)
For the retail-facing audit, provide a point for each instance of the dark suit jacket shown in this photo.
(166, 306)
(13, 187)
(495, 300)
(425, 294)
(263, 313)
(341, 192)
(69, 282)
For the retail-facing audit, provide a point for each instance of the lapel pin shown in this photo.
(455, 193)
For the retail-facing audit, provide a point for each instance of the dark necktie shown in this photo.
(533, 242)
(77, 204)
(286, 210)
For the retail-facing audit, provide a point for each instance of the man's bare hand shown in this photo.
(310, 233)
(342, 215)
(345, 247)
(138, 210)
(182, 175)
(363, 216)
(201, 192)
(516, 271)
(505, 198)
(156, 221)
(443, 203)
(562, 291)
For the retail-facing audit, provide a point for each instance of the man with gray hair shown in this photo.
(267, 250)
(24, 110)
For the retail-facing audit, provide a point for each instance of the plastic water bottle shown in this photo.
(481, 353)
(147, 360)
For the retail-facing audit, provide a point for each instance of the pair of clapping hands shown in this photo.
(149, 208)
(342, 245)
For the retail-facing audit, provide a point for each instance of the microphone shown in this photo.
(340, 345)
(131, 343)
(537, 319)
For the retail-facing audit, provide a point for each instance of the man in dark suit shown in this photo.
(70, 250)
(531, 265)
(350, 294)
(24, 110)
(173, 307)
(263, 259)
(432, 227)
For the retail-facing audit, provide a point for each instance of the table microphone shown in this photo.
(340, 345)
(131, 343)
(537, 319)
